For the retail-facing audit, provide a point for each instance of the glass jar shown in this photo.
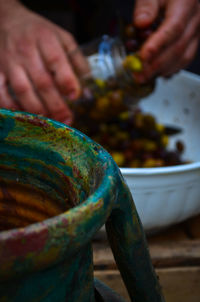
(106, 57)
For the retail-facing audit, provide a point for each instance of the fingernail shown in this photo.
(141, 17)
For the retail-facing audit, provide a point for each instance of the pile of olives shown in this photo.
(133, 138)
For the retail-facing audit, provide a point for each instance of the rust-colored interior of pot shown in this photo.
(21, 205)
(45, 170)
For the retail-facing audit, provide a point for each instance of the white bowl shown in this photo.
(168, 195)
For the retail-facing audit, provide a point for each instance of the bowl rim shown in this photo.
(186, 74)
(161, 170)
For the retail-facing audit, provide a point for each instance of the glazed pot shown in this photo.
(57, 188)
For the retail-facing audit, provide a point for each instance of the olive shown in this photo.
(112, 83)
(132, 45)
(116, 97)
(149, 163)
(133, 63)
(130, 31)
(102, 103)
(149, 121)
(135, 163)
(172, 158)
(180, 146)
(119, 158)
(134, 133)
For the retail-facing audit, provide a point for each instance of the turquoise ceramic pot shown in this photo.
(57, 188)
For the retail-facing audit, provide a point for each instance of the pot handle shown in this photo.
(129, 247)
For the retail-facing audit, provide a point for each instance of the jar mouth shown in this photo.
(105, 56)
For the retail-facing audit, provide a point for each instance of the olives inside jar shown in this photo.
(109, 62)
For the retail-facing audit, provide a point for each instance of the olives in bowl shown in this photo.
(133, 138)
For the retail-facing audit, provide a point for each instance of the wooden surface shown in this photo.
(175, 254)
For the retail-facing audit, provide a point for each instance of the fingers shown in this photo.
(34, 62)
(177, 55)
(24, 91)
(57, 63)
(145, 12)
(184, 60)
(169, 62)
(45, 88)
(183, 51)
(35, 90)
(77, 59)
(5, 99)
(177, 14)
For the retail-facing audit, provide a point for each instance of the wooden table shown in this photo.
(175, 254)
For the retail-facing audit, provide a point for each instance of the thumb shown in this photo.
(145, 12)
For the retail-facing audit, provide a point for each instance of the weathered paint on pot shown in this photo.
(57, 188)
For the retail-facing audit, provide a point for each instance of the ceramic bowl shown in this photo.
(168, 195)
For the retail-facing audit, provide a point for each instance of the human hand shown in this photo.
(173, 45)
(35, 62)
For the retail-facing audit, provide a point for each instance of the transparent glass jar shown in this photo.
(106, 57)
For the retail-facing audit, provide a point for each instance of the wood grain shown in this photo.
(178, 284)
(168, 254)
(175, 253)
